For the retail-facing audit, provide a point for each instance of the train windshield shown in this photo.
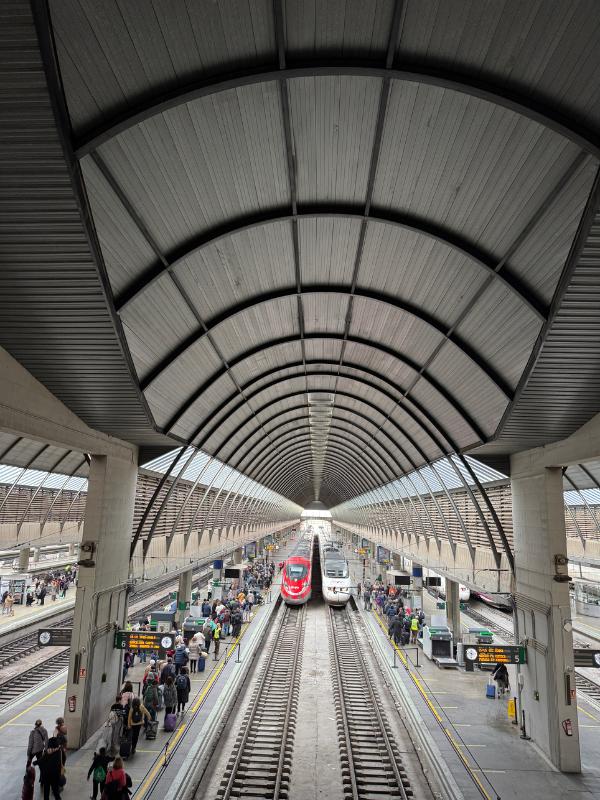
(296, 571)
(336, 569)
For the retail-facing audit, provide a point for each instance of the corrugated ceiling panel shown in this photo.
(324, 313)
(257, 326)
(266, 360)
(334, 123)
(328, 250)
(117, 51)
(232, 269)
(529, 45)
(199, 164)
(352, 27)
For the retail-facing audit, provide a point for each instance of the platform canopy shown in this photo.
(331, 241)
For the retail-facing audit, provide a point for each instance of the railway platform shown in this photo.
(26, 615)
(160, 766)
(475, 735)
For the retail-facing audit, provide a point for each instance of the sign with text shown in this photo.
(495, 654)
(586, 658)
(383, 554)
(54, 637)
(147, 641)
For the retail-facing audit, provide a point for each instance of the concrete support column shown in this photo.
(101, 600)
(24, 555)
(238, 555)
(417, 585)
(396, 561)
(72, 549)
(184, 594)
(543, 611)
(453, 609)
(36, 555)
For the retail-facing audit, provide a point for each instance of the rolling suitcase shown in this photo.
(170, 722)
(151, 729)
(491, 690)
(201, 664)
(125, 747)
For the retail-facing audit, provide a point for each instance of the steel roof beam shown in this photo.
(392, 301)
(455, 404)
(455, 241)
(527, 105)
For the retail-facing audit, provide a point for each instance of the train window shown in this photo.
(336, 569)
(296, 571)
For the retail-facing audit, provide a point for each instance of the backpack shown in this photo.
(150, 697)
(100, 774)
(137, 716)
(180, 682)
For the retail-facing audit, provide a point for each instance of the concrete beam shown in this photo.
(581, 446)
(30, 410)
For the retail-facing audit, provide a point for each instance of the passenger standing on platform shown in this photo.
(206, 609)
(236, 623)
(358, 589)
(170, 696)
(183, 686)
(195, 647)
(42, 594)
(8, 605)
(217, 639)
(51, 764)
(207, 632)
(168, 669)
(137, 713)
(226, 622)
(116, 781)
(127, 695)
(99, 769)
(150, 700)
(60, 733)
(367, 598)
(53, 590)
(114, 726)
(38, 741)
(181, 657)
(414, 629)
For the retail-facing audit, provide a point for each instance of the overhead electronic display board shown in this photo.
(147, 641)
(495, 654)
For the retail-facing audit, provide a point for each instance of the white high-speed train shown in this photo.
(335, 574)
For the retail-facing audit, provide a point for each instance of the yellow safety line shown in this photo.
(40, 701)
(587, 713)
(159, 764)
(457, 747)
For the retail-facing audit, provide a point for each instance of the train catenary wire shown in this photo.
(371, 761)
(260, 765)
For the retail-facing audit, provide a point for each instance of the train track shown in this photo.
(260, 764)
(44, 670)
(371, 761)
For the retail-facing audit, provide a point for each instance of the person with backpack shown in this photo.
(168, 669)
(181, 657)
(137, 713)
(98, 770)
(170, 696)
(207, 632)
(236, 623)
(151, 701)
(115, 787)
(183, 686)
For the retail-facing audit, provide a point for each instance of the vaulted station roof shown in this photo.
(336, 236)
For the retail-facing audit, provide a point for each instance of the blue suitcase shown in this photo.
(491, 691)
(201, 664)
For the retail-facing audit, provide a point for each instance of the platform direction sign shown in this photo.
(147, 641)
(495, 654)
(54, 637)
(586, 658)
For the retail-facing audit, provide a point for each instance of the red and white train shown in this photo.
(296, 579)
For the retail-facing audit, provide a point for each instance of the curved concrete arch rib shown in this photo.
(476, 254)
(301, 468)
(529, 106)
(455, 404)
(428, 319)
